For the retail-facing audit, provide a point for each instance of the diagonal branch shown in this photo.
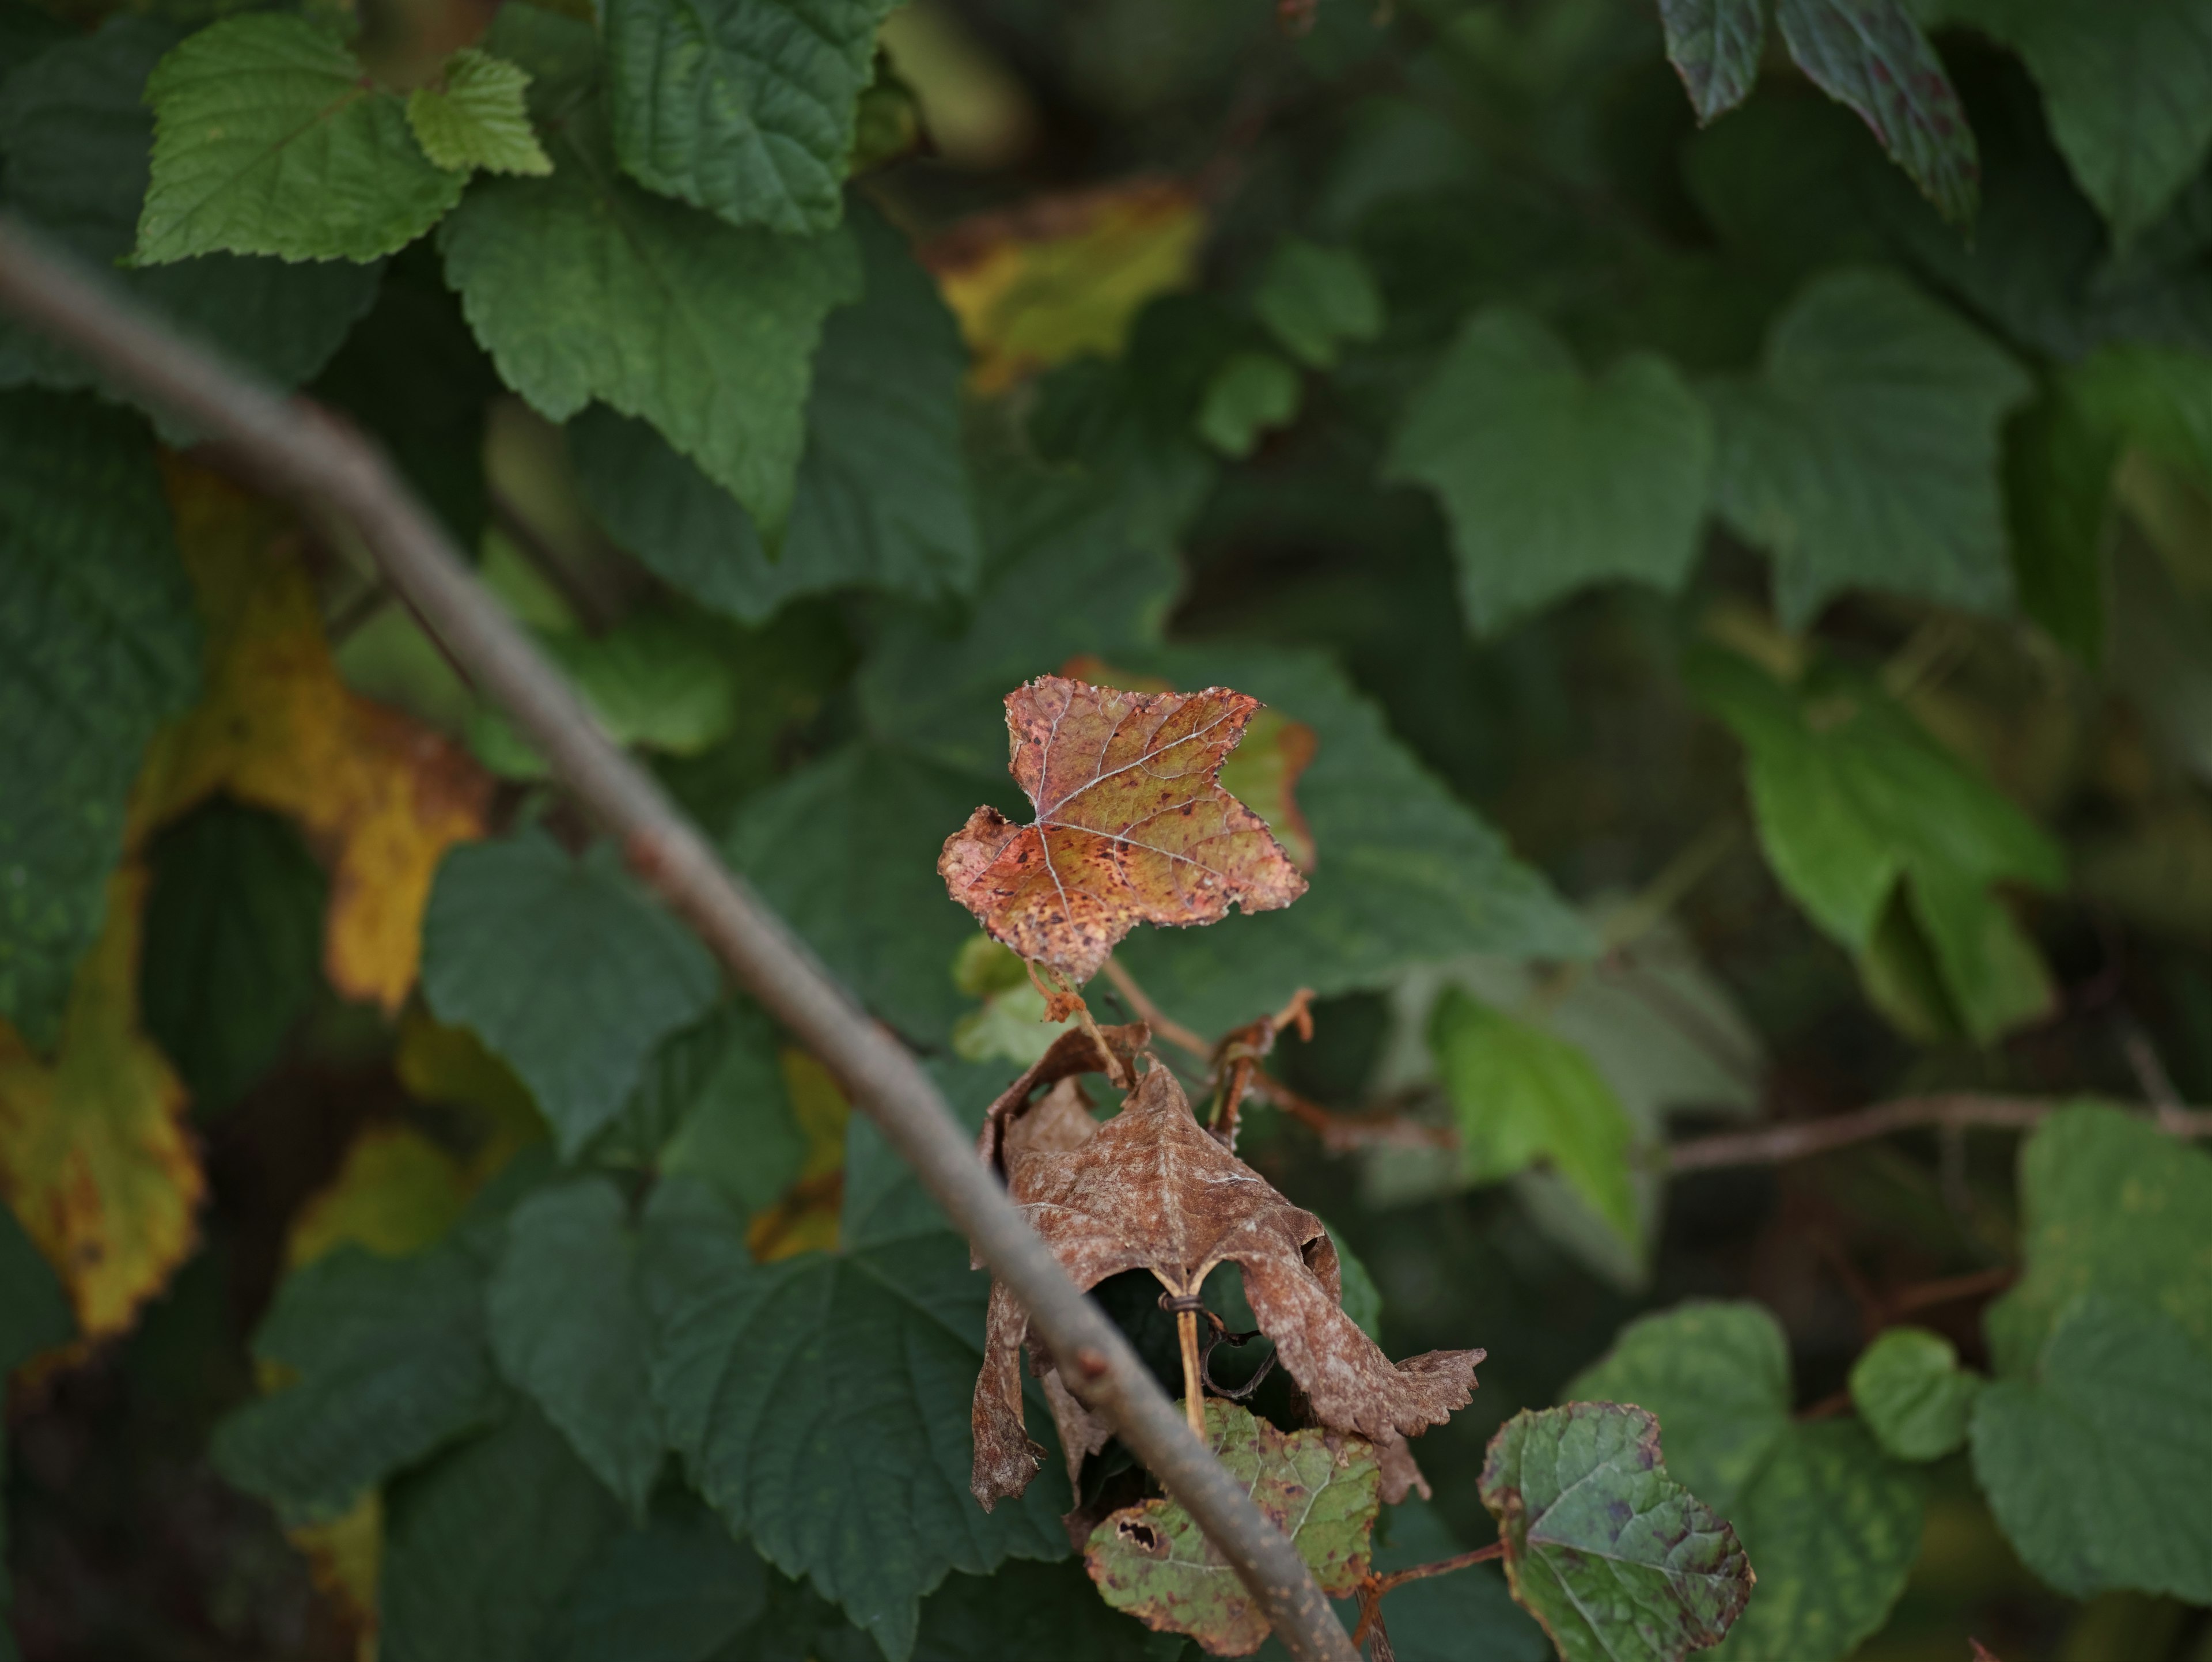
(1775, 1145)
(299, 450)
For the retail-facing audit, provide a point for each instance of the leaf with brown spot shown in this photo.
(1133, 825)
(1151, 1190)
(1317, 1486)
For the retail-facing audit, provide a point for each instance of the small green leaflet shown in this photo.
(1829, 1523)
(743, 108)
(391, 1362)
(1601, 1545)
(1521, 1096)
(569, 1328)
(1319, 1487)
(1911, 1392)
(1252, 393)
(563, 966)
(1864, 452)
(1714, 45)
(99, 645)
(1871, 55)
(233, 945)
(1853, 798)
(2125, 87)
(2098, 1466)
(475, 117)
(269, 139)
(1553, 480)
(1314, 299)
(34, 1312)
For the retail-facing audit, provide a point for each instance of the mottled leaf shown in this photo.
(1318, 1487)
(1911, 1392)
(474, 116)
(1714, 45)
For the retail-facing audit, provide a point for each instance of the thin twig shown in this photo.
(300, 450)
(1952, 1289)
(1442, 1567)
(1776, 1145)
(592, 609)
(1150, 1014)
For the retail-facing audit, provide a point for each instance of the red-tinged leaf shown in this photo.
(1133, 825)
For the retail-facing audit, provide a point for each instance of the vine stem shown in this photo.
(1193, 1378)
(1776, 1145)
(294, 447)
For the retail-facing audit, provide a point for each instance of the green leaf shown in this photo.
(1864, 452)
(233, 945)
(1914, 1397)
(477, 116)
(1831, 1523)
(2097, 1467)
(743, 108)
(1314, 299)
(98, 647)
(1319, 1487)
(2059, 464)
(1618, 1560)
(564, 967)
(2126, 88)
(2112, 1206)
(391, 1362)
(1553, 480)
(582, 285)
(1521, 1096)
(822, 1405)
(679, 1590)
(1852, 796)
(269, 139)
(1252, 393)
(568, 1327)
(77, 136)
(654, 680)
(1028, 1610)
(35, 1310)
(1871, 56)
(480, 1546)
(1714, 45)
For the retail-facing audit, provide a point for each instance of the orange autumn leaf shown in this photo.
(381, 796)
(94, 1158)
(1133, 825)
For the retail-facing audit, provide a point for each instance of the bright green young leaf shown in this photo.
(1553, 480)
(743, 108)
(1521, 1096)
(582, 285)
(680, 1589)
(883, 498)
(2113, 1207)
(569, 1328)
(482, 1545)
(2097, 1466)
(1321, 1488)
(1852, 797)
(1909, 1388)
(565, 967)
(821, 1403)
(233, 945)
(391, 1363)
(1252, 393)
(77, 136)
(1314, 299)
(1871, 56)
(1618, 1560)
(1864, 452)
(475, 116)
(1831, 1523)
(34, 1312)
(656, 681)
(99, 645)
(1714, 45)
(2127, 88)
(268, 138)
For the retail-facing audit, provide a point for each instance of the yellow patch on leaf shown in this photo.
(1064, 275)
(450, 1067)
(396, 1192)
(381, 796)
(805, 1219)
(345, 1558)
(94, 1156)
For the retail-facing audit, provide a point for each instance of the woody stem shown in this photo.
(1194, 1381)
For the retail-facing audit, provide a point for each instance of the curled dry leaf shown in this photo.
(1133, 825)
(1150, 1190)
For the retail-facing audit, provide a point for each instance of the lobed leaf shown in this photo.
(477, 116)
(1914, 1397)
(1313, 299)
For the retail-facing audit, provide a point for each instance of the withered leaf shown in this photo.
(1133, 825)
(1151, 1190)
(1317, 1486)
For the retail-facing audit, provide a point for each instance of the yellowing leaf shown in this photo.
(1061, 276)
(344, 1556)
(94, 1157)
(381, 796)
(396, 1193)
(450, 1067)
(805, 1219)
